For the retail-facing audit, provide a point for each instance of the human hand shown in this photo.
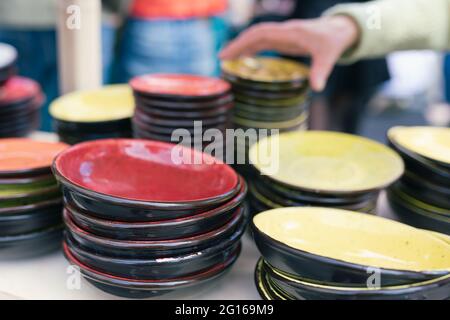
(324, 39)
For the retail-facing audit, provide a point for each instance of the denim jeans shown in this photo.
(170, 46)
(38, 60)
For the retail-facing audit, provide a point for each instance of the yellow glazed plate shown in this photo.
(332, 162)
(266, 69)
(429, 142)
(355, 238)
(107, 104)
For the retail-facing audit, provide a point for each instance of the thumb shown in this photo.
(322, 66)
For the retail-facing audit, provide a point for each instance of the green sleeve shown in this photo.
(393, 25)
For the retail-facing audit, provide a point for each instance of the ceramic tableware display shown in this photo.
(167, 102)
(323, 253)
(318, 168)
(30, 200)
(422, 196)
(93, 115)
(8, 59)
(140, 221)
(20, 103)
(270, 93)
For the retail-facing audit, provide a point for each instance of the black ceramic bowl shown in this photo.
(415, 216)
(322, 269)
(426, 191)
(153, 249)
(161, 230)
(186, 113)
(436, 289)
(31, 244)
(423, 167)
(31, 220)
(140, 289)
(168, 105)
(159, 269)
(106, 127)
(105, 207)
(265, 290)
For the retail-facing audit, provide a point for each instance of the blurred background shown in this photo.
(185, 36)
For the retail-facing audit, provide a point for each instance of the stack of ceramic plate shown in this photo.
(167, 102)
(422, 197)
(141, 222)
(20, 102)
(331, 254)
(93, 115)
(270, 93)
(316, 168)
(30, 200)
(8, 59)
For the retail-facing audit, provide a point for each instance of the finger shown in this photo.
(254, 40)
(322, 66)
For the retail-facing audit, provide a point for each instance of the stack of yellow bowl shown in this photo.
(318, 168)
(331, 254)
(422, 197)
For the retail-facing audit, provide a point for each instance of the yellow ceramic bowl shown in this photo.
(110, 103)
(429, 142)
(327, 162)
(326, 244)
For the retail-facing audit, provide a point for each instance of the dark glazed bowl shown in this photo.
(157, 268)
(153, 249)
(160, 230)
(321, 269)
(140, 289)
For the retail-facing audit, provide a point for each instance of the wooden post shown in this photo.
(79, 44)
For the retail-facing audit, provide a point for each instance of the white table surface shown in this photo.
(45, 278)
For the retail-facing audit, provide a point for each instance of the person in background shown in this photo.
(349, 89)
(172, 36)
(351, 32)
(30, 26)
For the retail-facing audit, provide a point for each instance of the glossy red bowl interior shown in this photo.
(144, 170)
(180, 85)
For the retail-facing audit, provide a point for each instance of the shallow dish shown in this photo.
(186, 113)
(31, 221)
(119, 171)
(415, 216)
(292, 240)
(432, 143)
(31, 244)
(145, 120)
(108, 104)
(292, 123)
(44, 205)
(265, 290)
(31, 198)
(17, 91)
(263, 70)
(436, 289)
(26, 157)
(154, 248)
(327, 162)
(140, 289)
(178, 266)
(180, 87)
(166, 105)
(160, 230)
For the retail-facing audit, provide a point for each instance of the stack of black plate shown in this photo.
(30, 199)
(20, 103)
(315, 168)
(140, 224)
(93, 115)
(422, 197)
(8, 59)
(270, 93)
(167, 102)
(330, 254)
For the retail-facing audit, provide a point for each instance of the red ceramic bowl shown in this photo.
(180, 86)
(145, 172)
(154, 248)
(138, 289)
(160, 230)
